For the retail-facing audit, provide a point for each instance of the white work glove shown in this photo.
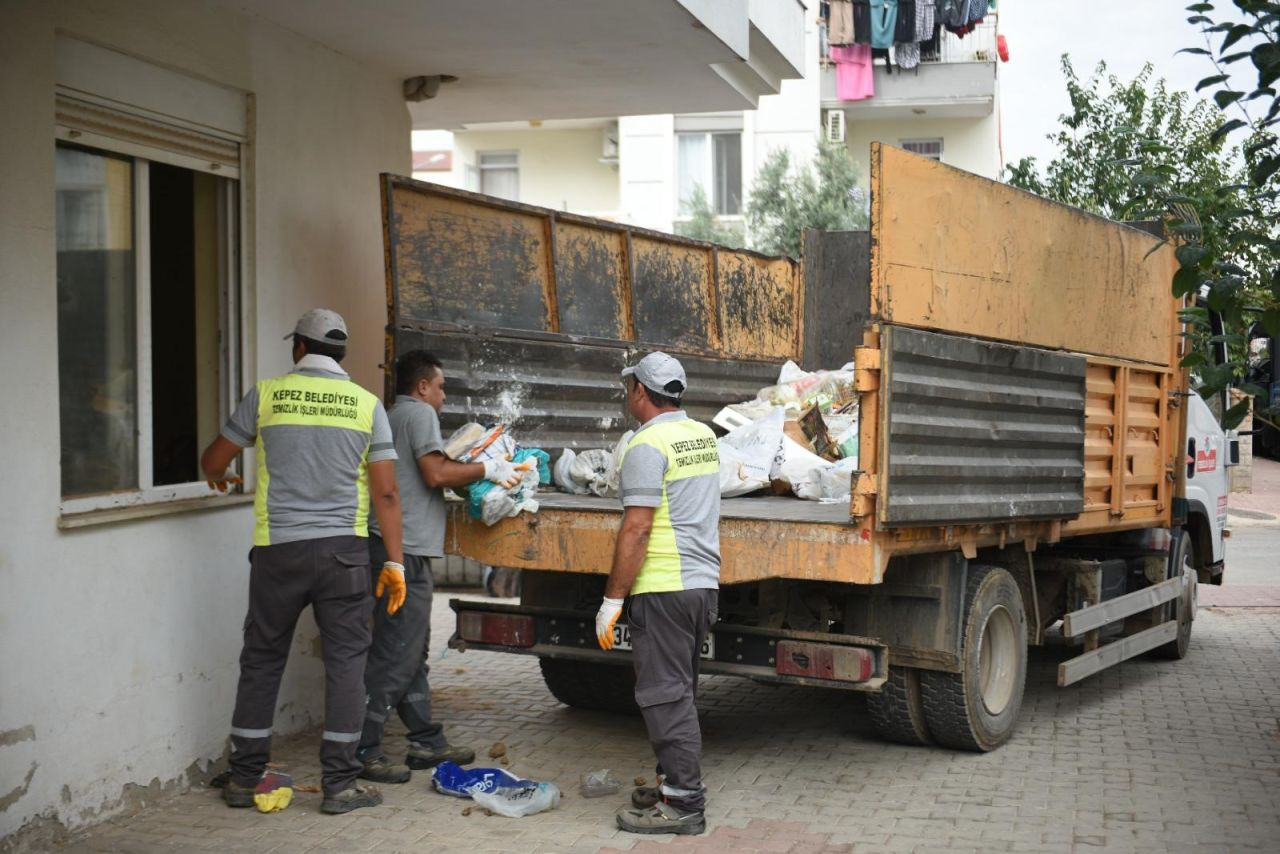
(610, 610)
(504, 473)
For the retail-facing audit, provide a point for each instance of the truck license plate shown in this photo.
(622, 641)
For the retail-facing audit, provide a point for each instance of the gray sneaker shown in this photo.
(351, 799)
(661, 818)
(422, 756)
(382, 770)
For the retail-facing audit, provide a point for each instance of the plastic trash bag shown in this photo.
(749, 454)
(563, 477)
(597, 784)
(450, 778)
(591, 470)
(802, 469)
(517, 801)
(835, 483)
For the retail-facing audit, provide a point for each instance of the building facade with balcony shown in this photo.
(181, 181)
(641, 169)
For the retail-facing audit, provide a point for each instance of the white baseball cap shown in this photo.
(323, 325)
(658, 370)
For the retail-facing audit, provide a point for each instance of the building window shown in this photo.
(147, 289)
(712, 161)
(500, 174)
(930, 148)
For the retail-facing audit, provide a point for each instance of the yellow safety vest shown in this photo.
(323, 403)
(691, 452)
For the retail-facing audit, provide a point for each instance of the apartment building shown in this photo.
(640, 169)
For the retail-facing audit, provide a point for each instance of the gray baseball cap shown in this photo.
(656, 370)
(323, 325)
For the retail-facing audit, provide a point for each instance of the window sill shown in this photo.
(112, 515)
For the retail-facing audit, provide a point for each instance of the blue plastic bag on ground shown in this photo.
(449, 778)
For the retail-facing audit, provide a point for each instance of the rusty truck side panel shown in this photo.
(955, 252)
(553, 305)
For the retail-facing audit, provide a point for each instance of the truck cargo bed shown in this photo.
(771, 508)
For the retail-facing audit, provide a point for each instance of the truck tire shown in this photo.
(897, 712)
(591, 685)
(977, 708)
(1181, 560)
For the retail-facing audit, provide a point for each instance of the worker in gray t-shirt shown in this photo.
(396, 673)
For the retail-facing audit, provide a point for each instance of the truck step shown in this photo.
(1075, 669)
(1095, 616)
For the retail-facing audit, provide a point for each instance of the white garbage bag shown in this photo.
(749, 454)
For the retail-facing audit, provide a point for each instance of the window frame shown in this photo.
(932, 140)
(231, 214)
(482, 167)
(709, 171)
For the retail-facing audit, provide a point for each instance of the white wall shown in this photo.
(969, 144)
(559, 169)
(120, 642)
(647, 170)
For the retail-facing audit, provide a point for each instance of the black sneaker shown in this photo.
(421, 756)
(383, 770)
(236, 795)
(661, 818)
(351, 799)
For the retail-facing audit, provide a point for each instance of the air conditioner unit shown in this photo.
(833, 125)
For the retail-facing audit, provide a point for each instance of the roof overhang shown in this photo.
(557, 59)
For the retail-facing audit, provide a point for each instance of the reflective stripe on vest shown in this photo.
(691, 451)
(299, 400)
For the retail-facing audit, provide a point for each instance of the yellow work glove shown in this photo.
(391, 581)
(610, 610)
(222, 483)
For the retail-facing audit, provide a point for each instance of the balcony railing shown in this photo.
(978, 46)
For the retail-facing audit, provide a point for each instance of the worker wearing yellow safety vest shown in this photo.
(325, 458)
(667, 560)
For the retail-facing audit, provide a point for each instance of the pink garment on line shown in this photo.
(855, 80)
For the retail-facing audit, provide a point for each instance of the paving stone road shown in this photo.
(1149, 756)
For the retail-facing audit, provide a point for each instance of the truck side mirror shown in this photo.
(1233, 451)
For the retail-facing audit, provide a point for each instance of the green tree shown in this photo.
(1136, 150)
(703, 225)
(786, 199)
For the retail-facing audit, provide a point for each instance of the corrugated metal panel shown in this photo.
(978, 431)
(557, 394)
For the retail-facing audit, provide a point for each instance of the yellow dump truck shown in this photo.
(1032, 464)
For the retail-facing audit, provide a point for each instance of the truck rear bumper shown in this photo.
(780, 656)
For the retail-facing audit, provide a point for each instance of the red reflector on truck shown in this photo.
(497, 629)
(824, 661)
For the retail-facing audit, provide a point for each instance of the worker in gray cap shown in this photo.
(667, 561)
(325, 457)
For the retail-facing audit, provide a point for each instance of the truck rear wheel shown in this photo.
(897, 712)
(977, 708)
(591, 685)
(1181, 563)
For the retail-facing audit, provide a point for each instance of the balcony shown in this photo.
(959, 81)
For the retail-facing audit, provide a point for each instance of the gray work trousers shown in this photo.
(667, 632)
(331, 575)
(396, 675)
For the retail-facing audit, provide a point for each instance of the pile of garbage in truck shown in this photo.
(797, 437)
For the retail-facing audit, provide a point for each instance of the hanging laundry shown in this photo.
(905, 29)
(926, 16)
(907, 55)
(841, 28)
(855, 80)
(931, 48)
(862, 21)
(884, 20)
